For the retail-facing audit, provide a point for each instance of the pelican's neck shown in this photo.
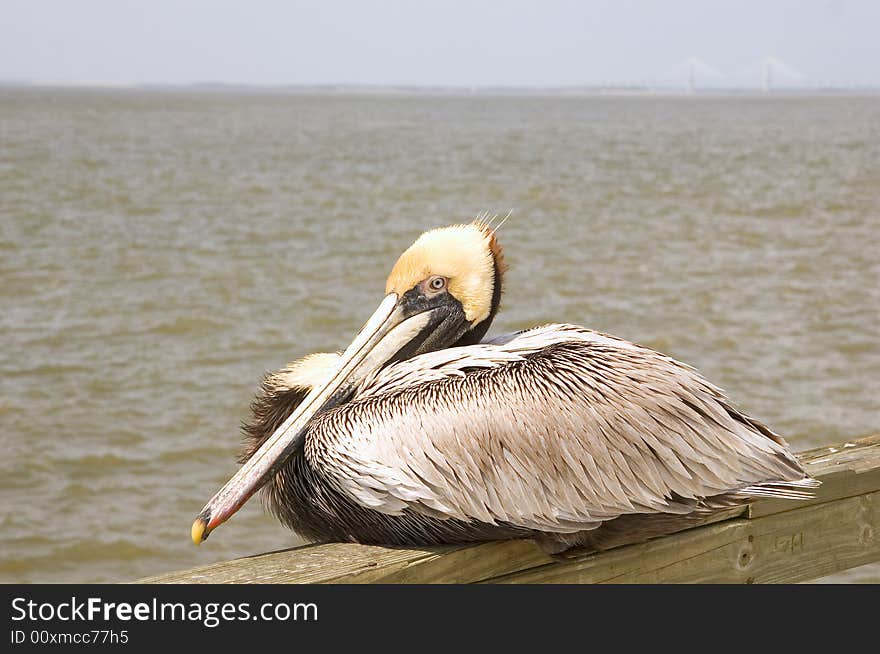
(478, 332)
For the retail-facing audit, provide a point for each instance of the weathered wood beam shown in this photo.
(786, 547)
(765, 541)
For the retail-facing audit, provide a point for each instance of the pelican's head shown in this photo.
(443, 291)
(455, 273)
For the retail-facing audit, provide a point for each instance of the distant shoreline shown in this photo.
(402, 90)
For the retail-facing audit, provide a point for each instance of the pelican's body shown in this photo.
(424, 432)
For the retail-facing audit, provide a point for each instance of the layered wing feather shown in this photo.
(555, 429)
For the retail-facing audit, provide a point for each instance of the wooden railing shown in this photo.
(767, 541)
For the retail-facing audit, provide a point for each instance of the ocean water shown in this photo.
(161, 250)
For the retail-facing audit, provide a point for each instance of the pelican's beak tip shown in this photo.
(199, 530)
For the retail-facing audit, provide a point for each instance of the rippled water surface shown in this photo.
(159, 251)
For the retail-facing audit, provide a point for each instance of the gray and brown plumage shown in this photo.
(425, 432)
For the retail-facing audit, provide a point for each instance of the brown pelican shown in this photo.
(425, 432)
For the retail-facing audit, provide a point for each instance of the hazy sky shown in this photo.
(436, 42)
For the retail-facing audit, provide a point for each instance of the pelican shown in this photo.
(424, 432)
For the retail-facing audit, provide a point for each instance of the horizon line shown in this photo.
(424, 87)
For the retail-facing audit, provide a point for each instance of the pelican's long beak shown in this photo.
(399, 324)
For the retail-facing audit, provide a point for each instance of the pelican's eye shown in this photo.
(436, 284)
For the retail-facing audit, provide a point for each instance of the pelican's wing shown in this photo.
(554, 429)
